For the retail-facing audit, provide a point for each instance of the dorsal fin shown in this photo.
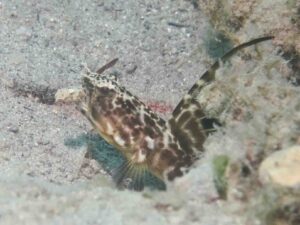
(209, 75)
(107, 65)
(188, 122)
(95, 78)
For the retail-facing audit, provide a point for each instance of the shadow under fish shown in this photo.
(114, 163)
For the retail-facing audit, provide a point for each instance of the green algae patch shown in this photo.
(220, 164)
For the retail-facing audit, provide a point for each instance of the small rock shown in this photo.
(10, 83)
(131, 69)
(282, 168)
(68, 95)
(13, 129)
(24, 32)
(16, 59)
(42, 142)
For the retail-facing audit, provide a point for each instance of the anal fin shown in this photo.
(133, 176)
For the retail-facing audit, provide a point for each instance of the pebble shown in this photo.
(24, 33)
(282, 168)
(10, 83)
(68, 95)
(131, 69)
(13, 130)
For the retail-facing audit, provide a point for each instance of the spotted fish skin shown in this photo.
(148, 142)
(130, 126)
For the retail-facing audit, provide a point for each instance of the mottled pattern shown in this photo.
(147, 141)
(130, 126)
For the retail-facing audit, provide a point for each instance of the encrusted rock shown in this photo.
(241, 19)
(282, 168)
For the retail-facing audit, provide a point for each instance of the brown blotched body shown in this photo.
(147, 141)
(129, 125)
